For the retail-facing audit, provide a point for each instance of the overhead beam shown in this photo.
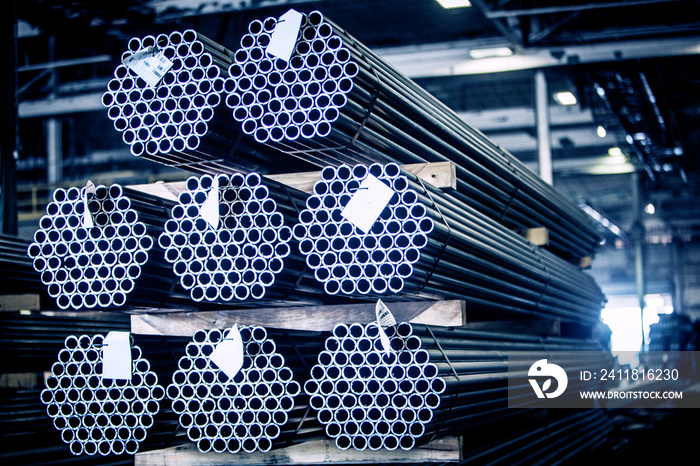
(452, 58)
(507, 119)
(492, 14)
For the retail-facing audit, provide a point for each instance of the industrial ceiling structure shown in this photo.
(630, 69)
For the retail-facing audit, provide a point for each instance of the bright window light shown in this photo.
(614, 152)
(600, 131)
(491, 52)
(565, 98)
(454, 3)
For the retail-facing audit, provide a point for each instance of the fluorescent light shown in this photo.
(565, 98)
(614, 152)
(454, 3)
(492, 52)
(600, 131)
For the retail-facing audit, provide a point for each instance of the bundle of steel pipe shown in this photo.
(16, 268)
(175, 122)
(261, 406)
(239, 255)
(28, 435)
(426, 243)
(335, 101)
(98, 250)
(98, 415)
(430, 382)
(368, 397)
(249, 253)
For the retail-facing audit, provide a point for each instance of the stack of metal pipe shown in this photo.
(93, 249)
(368, 396)
(335, 101)
(238, 256)
(98, 415)
(430, 382)
(427, 243)
(261, 406)
(345, 259)
(175, 122)
(277, 100)
(16, 268)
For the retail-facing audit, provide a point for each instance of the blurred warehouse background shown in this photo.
(607, 92)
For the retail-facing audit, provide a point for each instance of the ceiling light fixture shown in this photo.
(650, 209)
(491, 52)
(565, 98)
(454, 3)
(600, 131)
(614, 152)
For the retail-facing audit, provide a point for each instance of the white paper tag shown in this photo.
(210, 208)
(366, 205)
(87, 215)
(384, 319)
(284, 38)
(116, 356)
(150, 64)
(228, 354)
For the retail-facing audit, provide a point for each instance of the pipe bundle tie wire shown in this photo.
(360, 128)
(428, 244)
(96, 415)
(113, 263)
(453, 398)
(444, 244)
(337, 102)
(180, 121)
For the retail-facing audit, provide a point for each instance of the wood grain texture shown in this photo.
(445, 313)
(308, 453)
(538, 236)
(20, 302)
(442, 175)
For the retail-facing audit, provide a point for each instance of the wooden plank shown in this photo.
(302, 181)
(300, 318)
(169, 191)
(538, 236)
(19, 380)
(315, 452)
(20, 302)
(585, 262)
(442, 175)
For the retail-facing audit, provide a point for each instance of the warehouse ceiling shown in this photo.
(633, 67)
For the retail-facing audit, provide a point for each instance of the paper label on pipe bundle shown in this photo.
(150, 64)
(284, 37)
(116, 356)
(210, 209)
(87, 215)
(228, 354)
(366, 205)
(384, 319)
